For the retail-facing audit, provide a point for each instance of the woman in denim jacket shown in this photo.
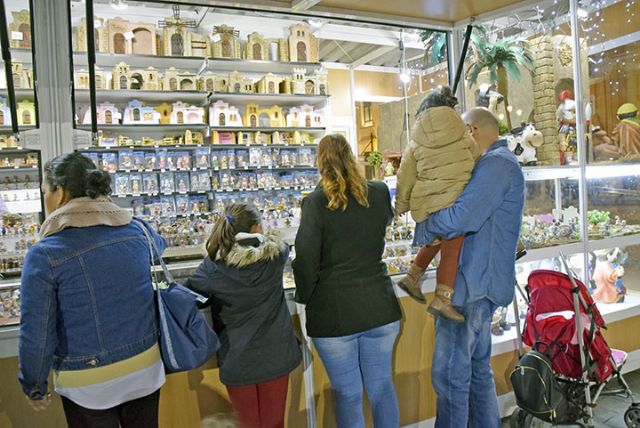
(87, 305)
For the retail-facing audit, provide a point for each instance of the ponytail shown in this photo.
(237, 218)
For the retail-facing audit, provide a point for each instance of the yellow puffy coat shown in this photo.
(436, 165)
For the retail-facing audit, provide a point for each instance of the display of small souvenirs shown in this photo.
(12, 162)
(150, 183)
(109, 162)
(125, 160)
(167, 183)
(9, 305)
(201, 158)
(122, 186)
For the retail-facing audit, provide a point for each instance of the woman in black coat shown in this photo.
(352, 312)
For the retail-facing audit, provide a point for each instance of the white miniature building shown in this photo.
(304, 117)
(136, 113)
(222, 114)
(106, 114)
(321, 82)
(81, 79)
(184, 114)
(5, 113)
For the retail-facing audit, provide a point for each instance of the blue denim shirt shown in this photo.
(489, 213)
(86, 301)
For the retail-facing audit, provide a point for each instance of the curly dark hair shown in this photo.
(442, 96)
(78, 175)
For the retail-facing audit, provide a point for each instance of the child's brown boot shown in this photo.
(441, 304)
(411, 283)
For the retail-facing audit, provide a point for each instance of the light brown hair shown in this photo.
(339, 173)
(237, 218)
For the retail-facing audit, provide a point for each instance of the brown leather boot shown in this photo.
(411, 283)
(441, 304)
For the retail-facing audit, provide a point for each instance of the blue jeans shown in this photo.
(461, 372)
(352, 359)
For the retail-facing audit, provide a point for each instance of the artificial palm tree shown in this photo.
(435, 47)
(502, 58)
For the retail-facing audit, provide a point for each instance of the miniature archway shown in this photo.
(177, 44)
(119, 43)
(301, 49)
(186, 85)
(142, 41)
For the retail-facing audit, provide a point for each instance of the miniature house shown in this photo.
(239, 84)
(20, 29)
(321, 82)
(26, 113)
(303, 46)
(264, 118)
(174, 80)
(297, 81)
(304, 117)
(5, 113)
(106, 114)
(215, 83)
(21, 76)
(293, 117)
(174, 36)
(165, 113)
(257, 48)
(183, 114)
(100, 36)
(137, 113)
(131, 37)
(285, 85)
(226, 43)
(81, 79)
(198, 45)
(120, 78)
(278, 49)
(269, 84)
(221, 114)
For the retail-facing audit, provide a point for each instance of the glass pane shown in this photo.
(22, 71)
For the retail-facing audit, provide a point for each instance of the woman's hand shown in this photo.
(40, 405)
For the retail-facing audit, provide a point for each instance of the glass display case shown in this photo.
(17, 74)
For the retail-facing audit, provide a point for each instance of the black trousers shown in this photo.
(139, 413)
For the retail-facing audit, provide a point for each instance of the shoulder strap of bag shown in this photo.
(154, 253)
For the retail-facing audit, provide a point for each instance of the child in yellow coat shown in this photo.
(436, 166)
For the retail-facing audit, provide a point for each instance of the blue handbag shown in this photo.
(186, 340)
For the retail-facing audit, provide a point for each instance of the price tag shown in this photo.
(97, 23)
(128, 35)
(17, 35)
(217, 38)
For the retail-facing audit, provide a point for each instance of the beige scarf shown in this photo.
(85, 212)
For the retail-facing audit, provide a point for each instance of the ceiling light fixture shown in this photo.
(582, 13)
(119, 4)
(405, 77)
(313, 23)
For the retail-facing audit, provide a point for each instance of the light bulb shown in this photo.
(518, 112)
(509, 109)
(582, 13)
(404, 77)
(119, 4)
(501, 116)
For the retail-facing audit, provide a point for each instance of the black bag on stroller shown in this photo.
(538, 391)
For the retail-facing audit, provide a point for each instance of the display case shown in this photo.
(18, 100)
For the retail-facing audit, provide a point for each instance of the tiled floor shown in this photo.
(609, 412)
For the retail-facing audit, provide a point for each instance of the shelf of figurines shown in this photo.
(191, 63)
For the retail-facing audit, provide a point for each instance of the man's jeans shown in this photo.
(352, 359)
(461, 372)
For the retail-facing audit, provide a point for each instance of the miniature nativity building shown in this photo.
(304, 117)
(136, 113)
(100, 36)
(271, 117)
(177, 41)
(106, 114)
(127, 37)
(20, 29)
(21, 76)
(26, 113)
(174, 80)
(184, 114)
(303, 45)
(81, 79)
(226, 43)
(261, 49)
(222, 114)
(123, 78)
(5, 113)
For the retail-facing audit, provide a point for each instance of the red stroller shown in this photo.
(555, 381)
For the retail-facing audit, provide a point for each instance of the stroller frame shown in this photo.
(592, 390)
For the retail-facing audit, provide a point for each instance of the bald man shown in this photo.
(488, 213)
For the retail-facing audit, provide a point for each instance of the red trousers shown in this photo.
(260, 405)
(449, 255)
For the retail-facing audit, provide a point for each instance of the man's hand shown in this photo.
(40, 405)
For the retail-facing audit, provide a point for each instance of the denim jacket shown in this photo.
(87, 301)
(489, 213)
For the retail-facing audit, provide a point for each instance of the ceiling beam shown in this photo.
(376, 53)
(302, 5)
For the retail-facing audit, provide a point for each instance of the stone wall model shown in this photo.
(390, 131)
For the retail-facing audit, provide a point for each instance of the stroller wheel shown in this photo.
(632, 417)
